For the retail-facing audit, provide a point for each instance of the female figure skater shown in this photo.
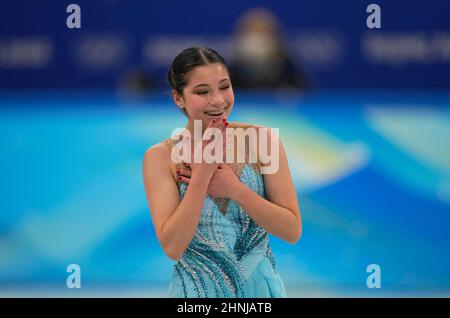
(214, 218)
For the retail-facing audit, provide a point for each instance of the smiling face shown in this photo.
(208, 94)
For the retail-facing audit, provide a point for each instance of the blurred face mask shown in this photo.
(256, 48)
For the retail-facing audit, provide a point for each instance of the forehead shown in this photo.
(208, 74)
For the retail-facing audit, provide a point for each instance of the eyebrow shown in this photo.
(223, 80)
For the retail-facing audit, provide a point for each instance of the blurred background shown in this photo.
(364, 115)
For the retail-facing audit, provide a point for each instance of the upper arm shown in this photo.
(160, 187)
(279, 186)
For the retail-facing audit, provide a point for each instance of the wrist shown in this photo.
(237, 191)
(201, 178)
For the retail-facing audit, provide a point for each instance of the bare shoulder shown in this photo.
(157, 155)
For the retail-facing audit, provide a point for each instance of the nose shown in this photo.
(217, 100)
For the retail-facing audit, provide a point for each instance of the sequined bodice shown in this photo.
(227, 247)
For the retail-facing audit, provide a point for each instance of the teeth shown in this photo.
(215, 113)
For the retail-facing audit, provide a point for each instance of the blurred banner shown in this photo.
(122, 42)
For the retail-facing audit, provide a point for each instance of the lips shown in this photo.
(216, 113)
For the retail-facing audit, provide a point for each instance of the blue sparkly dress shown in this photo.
(229, 255)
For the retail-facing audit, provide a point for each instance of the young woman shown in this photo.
(213, 219)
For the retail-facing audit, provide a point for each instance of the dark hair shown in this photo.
(186, 61)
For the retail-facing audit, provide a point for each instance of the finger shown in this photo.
(218, 124)
(184, 172)
(224, 132)
(183, 179)
(183, 169)
(225, 122)
(227, 140)
(224, 142)
(222, 126)
(221, 123)
(218, 138)
(213, 123)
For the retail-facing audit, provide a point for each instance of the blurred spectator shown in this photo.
(260, 59)
(135, 83)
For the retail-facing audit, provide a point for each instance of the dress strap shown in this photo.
(170, 142)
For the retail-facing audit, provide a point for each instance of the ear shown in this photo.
(178, 99)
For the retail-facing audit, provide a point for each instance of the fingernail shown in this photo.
(226, 124)
(223, 120)
(213, 121)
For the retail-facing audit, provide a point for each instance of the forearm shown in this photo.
(180, 228)
(273, 218)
